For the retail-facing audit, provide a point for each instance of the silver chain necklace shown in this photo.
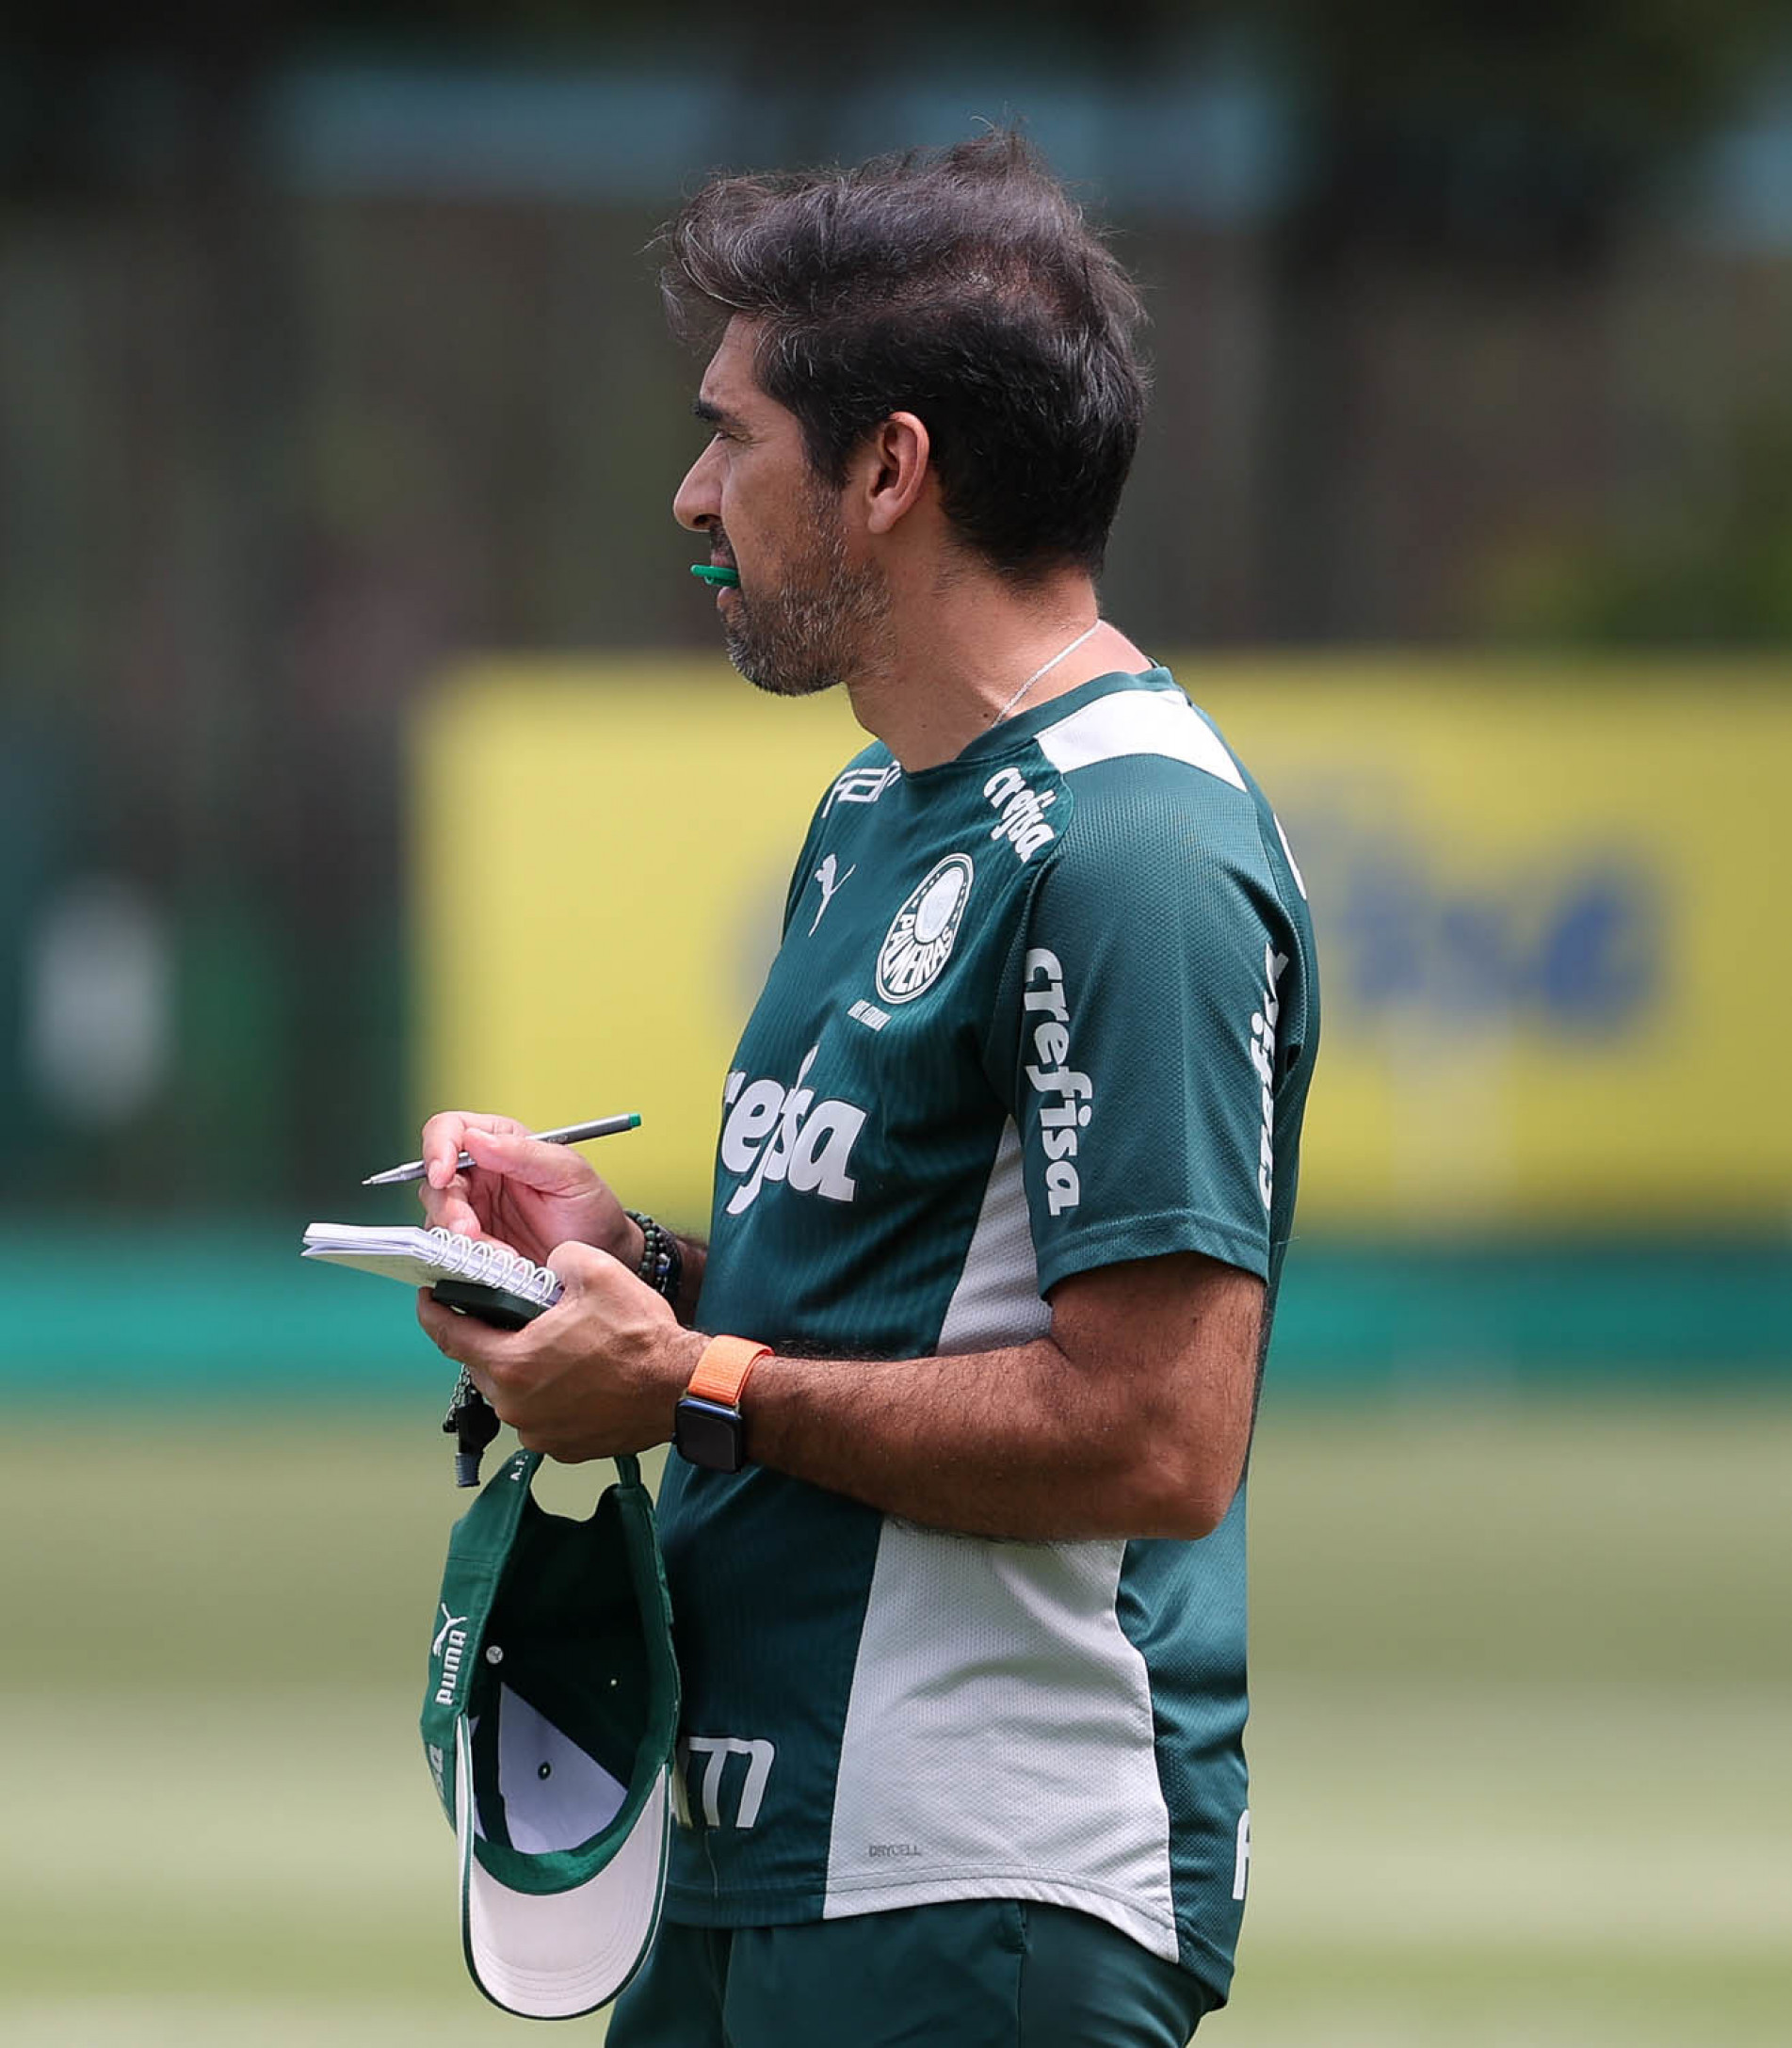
(1045, 668)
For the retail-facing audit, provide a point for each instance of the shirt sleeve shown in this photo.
(1145, 993)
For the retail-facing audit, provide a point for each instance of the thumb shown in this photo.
(551, 1170)
(582, 1269)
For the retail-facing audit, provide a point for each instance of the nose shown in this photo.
(697, 502)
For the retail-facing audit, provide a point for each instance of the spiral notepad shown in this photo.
(421, 1257)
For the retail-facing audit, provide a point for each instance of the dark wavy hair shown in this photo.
(962, 285)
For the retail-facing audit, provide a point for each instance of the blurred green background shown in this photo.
(329, 359)
(1520, 1675)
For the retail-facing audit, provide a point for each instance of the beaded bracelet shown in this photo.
(662, 1263)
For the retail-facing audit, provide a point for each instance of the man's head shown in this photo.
(959, 289)
(804, 613)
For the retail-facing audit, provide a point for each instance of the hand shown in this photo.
(529, 1196)
(598, 1375)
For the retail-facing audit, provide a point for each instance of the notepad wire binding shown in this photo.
(492, 1265)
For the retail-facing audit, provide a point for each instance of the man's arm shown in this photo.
(1132, 1418)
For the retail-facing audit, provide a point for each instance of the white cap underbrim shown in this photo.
(555, 1954)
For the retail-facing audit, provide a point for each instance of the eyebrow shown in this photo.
(713, 414)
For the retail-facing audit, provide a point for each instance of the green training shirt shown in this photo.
(1045, 1008)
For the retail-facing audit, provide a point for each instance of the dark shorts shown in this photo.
(980, 1973)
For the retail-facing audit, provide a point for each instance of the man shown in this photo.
(1006, 1170)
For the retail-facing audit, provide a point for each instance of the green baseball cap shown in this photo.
(549, 1727)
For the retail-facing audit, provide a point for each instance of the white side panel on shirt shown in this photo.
(997, 1300)
(998, 1739)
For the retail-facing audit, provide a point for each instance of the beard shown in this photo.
(814, 627)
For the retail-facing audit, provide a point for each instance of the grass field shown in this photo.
(1523, 1776)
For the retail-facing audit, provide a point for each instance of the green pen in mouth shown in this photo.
(715, 575)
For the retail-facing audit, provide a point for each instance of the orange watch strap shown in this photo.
(725, 1368)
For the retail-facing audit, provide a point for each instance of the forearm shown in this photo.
(1017, 1442)
(1132, 1418)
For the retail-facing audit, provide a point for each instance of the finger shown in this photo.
(445, 1140)
(466, 1340)
(442, 1138)
(439, 1324)
(550, 1170)
(450, 1208)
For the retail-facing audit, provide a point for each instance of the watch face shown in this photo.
(707, 1433)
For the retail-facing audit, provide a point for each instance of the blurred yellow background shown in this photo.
(1547, 896)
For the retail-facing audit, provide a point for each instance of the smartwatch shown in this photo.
(708, 1427)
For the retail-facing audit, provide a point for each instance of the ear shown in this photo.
(894, 468)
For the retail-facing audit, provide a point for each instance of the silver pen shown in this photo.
(569, 1133)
